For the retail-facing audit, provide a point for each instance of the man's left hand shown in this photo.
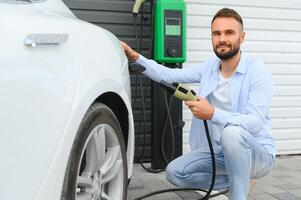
(201, 108)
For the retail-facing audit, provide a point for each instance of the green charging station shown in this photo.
(169, 49)
(170, 31)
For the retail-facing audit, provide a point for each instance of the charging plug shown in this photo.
(179, 91)
(137, 6)
(136, 68)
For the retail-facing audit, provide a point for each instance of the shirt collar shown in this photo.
(241, 67)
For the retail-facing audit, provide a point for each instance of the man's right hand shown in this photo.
(129, 52)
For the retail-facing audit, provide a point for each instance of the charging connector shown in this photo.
(137, 6)
(180, 91)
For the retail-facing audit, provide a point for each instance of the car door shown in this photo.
(38, 79)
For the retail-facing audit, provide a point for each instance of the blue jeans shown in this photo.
(239, 158)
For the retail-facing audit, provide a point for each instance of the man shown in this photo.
(235, 94)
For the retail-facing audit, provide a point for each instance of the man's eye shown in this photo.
(229, 32)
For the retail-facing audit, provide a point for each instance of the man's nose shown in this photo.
(222, 38)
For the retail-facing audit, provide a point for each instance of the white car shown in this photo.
(66, 120)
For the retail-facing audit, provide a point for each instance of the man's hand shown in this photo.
(129, 52)
(201, 108)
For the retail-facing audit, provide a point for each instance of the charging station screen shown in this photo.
(172, 26)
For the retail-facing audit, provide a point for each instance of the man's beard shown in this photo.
(224, 55)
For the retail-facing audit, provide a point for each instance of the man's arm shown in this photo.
(158, 72)
(256, 109)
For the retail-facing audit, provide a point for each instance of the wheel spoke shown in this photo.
(84, 181)
(100, 145)
(112, 173)
(95, 151)
(105, 196)
(90, 167)
(110, 159)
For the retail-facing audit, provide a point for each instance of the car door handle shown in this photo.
(45, 39)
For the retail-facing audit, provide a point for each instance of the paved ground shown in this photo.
(283, 183)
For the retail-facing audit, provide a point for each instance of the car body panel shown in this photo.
(46, 90)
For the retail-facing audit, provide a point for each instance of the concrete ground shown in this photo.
(283, 183)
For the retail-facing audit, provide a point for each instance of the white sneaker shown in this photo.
(220, 197)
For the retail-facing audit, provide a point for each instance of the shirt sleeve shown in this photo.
(158, 72)
(256, 109)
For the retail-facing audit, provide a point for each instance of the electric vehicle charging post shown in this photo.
(168, 46)
(169, 49)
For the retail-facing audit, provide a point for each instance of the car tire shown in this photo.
(97, 166)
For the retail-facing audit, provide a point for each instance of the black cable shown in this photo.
(139, 48)
(168, 117)
(144, 137)
(138, 76)
(208, 192)
(136, 79)
(180, 189)
(212, 160)
(141, 28)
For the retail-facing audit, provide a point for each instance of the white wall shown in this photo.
(273, 34)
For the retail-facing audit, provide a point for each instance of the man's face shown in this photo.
(226, 36)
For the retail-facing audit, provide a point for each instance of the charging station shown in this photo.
(169, 49)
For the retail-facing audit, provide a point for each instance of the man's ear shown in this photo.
(242, 37)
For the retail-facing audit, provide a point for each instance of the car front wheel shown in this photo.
(97, 167)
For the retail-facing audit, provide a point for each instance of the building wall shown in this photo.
(273, 34)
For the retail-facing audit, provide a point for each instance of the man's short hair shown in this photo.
(227, 12)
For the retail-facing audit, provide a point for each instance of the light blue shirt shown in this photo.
(220, 98)
(251, 89)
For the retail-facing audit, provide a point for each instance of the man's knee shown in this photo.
(232, 136)
(174, 174)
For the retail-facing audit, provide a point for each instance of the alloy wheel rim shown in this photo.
(100, 175)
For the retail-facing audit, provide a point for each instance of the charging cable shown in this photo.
(137, 69)
(178, 91)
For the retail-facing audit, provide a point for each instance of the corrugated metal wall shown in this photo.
(116, 16)
(273, 34)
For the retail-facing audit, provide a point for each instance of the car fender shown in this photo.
(90, 87)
